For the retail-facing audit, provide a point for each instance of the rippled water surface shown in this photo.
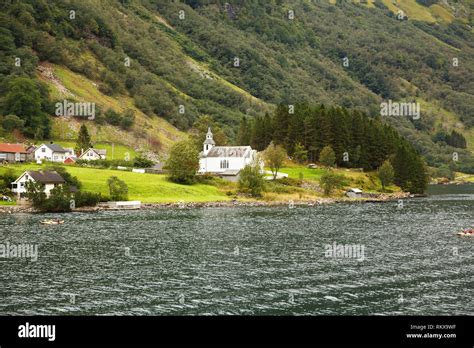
(248, 260)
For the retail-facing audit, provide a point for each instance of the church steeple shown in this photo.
(209, 142)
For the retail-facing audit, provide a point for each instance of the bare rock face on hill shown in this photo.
(47, 72)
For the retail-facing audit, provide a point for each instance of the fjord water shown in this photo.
(246, 260)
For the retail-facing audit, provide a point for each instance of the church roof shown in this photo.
(229, 151)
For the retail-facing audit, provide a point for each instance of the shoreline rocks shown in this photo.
(368, 198)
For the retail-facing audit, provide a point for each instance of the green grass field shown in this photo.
(462, 177)
(148, 188)
(366, 181)
(154, 188)
(308, 174)
(118, 153)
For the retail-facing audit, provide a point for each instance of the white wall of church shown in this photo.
(213, 164)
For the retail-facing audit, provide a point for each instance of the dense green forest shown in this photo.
(234, 59)
(358, 141)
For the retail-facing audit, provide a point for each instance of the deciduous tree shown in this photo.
(274, 157)
(327, 157)
(183, 162)
(386, 173)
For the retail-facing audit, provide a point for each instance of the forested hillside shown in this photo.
(151, 60)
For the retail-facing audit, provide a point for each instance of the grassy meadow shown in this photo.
(156, 188)
(148, 188)
(119, 151)
(366, 181)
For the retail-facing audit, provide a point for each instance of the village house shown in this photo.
(52, 152)
(93, 154)
(224, 161)
(50, 179)
(13, 153)
(31, 151)
(70, 160)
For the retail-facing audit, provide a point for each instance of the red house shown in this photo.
(70, 160)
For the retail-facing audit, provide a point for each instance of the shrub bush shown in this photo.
(118, 189)
(251, 181)
(87, 199)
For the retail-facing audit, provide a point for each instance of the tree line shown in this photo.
(358, 141)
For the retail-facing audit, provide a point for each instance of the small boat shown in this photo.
(467, 233)
(52, 222)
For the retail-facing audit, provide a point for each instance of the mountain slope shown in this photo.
(177, 61)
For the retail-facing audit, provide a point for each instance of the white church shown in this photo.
(225, 161)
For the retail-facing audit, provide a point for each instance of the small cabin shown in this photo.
(70, 160)
(354, 193)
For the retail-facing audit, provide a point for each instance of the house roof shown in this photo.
(100, 152)
(56, 148)
(46, 177)
(229, 151)
(355, 190)
(12, 148)
(31, 148)
(230, 172)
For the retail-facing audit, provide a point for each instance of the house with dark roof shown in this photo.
(52, 152)
(224, 161)
(13, 153)
(49, 179)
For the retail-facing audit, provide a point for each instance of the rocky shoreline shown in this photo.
(369, 198)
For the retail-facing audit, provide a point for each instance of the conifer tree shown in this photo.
(83, 140)
(280, 124)
(300, 154)
(258, 134)
(244, 132)
(268, 130)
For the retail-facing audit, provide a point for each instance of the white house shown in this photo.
(49, 179)
(93, 154)
(52, 152)
(224, 160)
(354, 193)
